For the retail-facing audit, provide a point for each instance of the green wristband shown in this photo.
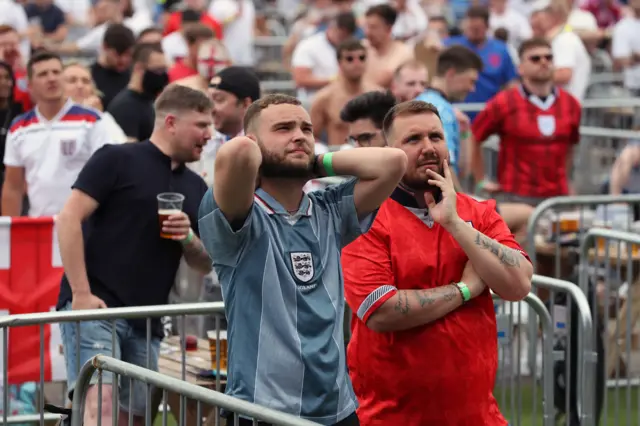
(188, 238)
(327, 163)
(464, 291)
(480, 185)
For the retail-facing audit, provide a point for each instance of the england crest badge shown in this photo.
(302, 264)
(547, 125)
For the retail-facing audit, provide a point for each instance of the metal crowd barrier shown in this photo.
(609, 261)
(510, 384)
(112, 314)
(187, 390)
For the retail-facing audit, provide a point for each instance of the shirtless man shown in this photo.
(385, 53)
(328, 102)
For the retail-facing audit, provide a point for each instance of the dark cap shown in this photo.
(241, 81)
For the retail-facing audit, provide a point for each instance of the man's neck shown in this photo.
(164, 146)
(4, 103)
(541, 90)
(49, 109)
(287, 192)
(233, 131)
(384, 47)
(350, 86)
(438, 83)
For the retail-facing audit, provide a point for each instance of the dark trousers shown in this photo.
(352, 420)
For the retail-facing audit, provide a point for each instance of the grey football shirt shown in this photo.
(283, 290)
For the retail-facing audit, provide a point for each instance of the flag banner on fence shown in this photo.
(30, 273)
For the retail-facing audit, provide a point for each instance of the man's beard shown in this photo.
(275, 167)
(419, 185)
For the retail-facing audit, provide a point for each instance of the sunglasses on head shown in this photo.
(538, 58)
(351, 58)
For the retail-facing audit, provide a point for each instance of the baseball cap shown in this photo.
(240, 81)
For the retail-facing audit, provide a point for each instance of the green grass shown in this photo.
(618, 416)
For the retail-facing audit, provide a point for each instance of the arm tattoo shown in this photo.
(196, 256)
(402, 305)
(506, 255)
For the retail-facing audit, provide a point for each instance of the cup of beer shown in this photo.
(222, 347)
(169, 204)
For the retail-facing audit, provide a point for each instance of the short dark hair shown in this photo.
(142, 52)
(458, 57)
(349, 45)
(385, 12)
(177, 98)
(532, 43)
(264, 102)
(119, 38)
(195, 32)
(346, 21)
(149, 30)
(501, 34)
(406, 108)
(41, 56)
(478, 12)
(370, 105)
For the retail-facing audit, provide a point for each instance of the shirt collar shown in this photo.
(405, 197)
(440, 93)
(154, 150)
(271, 206)
(543, 104)
(65, 108)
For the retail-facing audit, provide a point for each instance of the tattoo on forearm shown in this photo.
(402, 305)
(196, 255)
(506, 255)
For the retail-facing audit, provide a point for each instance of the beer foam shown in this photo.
(211, 334)
(169, 212)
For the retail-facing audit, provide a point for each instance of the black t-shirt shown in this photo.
(51, 16)
(127, 262)
(134, 113)
(110, 82)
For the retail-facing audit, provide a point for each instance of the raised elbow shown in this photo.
(397, 162)
(241, 152)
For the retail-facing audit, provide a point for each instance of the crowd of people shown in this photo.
(173, 103)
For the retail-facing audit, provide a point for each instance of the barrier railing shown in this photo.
(213, 398)
(510, 387)
(176, 364)
(609, 261)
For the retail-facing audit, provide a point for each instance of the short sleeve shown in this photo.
(99, 176)
(564, 51)
(302, 55)
(340, 203)
(494, 227)
(224, 244)
(488, 122)
(99, 135)
(621, 42)
(12, 155)
(368, 276)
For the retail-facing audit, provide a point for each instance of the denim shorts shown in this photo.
(95, 339)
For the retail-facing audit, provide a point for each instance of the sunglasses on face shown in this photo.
(537, 58)
(351, 58)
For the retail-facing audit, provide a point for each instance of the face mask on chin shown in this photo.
(154, 82)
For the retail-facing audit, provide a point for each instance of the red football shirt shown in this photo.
(179, 71)
(439, 374)
(21, 91)
(174, 23)
(536, 140)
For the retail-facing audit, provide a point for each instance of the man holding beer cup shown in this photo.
(122, 233)
(277, 254)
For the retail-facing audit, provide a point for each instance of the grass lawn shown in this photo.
(616, 413)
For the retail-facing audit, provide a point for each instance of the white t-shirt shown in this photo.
(582, 20)
(515, 23)
(92, 41)
(315, 52)
(174, 46)
(239, 34)
(52, 153)
(569, 52)
(14, 15)
(411, 23)
(625, 42)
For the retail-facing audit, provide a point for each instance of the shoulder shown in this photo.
(565, 96)
(427, 96)
(473, 209)
(23, 121)
(454, 40)
(324, 94)
(83, 113)
(497, 45)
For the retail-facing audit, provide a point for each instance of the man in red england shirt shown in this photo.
(423, 349)
(538, 125)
